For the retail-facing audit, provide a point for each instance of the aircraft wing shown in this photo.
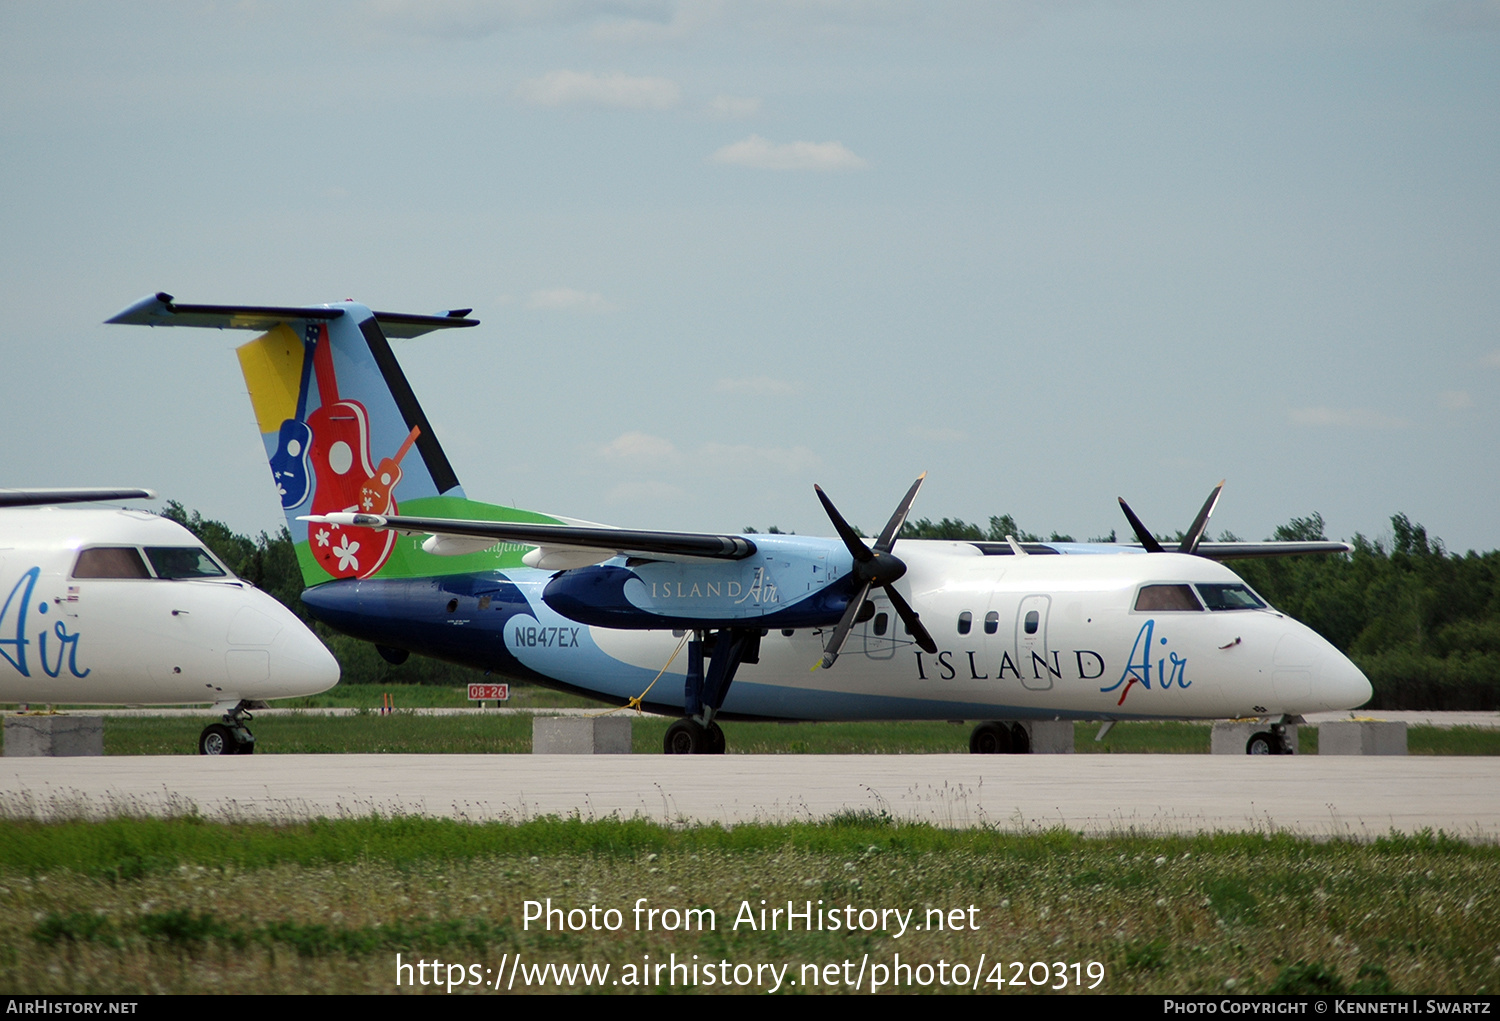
(614, 541)
(160, 310)
(1212, 550)
(47, 497)
(1247, 550)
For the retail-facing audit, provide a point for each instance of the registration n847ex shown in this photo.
(721, 626)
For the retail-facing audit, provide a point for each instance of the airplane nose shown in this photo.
(1341, 684)
(301, 664)
(293, 661)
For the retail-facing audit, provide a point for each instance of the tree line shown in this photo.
(1423, 623)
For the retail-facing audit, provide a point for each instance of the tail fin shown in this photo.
(344, 432)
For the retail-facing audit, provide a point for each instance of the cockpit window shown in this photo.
(1166, 597)
(183, 562)
(1231, 597)
(110, 562)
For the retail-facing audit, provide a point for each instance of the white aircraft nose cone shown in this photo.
(1341, 684)
(301, 662)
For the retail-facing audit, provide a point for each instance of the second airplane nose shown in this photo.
(1341, 684)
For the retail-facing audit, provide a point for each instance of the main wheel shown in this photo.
(990, 738)
(1263, 742)
(1020, 739)
(716, 742)
(686, 737)
(217, 739)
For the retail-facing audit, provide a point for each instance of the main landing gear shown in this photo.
(726, 649)
(231, 737)
(996, 737)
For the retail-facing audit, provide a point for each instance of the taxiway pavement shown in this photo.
(1353, 797)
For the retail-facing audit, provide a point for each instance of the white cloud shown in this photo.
(1354, 418)
(471, 19)
(1455, 400)
(566, 299)
(760, 386)
(584, 88)
(639, 446)
(763, 154)
(733, 108)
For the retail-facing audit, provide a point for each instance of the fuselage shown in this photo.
(125, 607)
(1018, 636)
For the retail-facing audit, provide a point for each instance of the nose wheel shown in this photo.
(231, 737)
(1269, 742)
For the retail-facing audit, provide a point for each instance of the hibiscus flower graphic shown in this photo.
(345, 551)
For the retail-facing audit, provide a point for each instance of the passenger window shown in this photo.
(110, 562)
(882, 621)
(991, 622)
(1167, 597)
(183, 562)
(965, 621)
(1033, 621)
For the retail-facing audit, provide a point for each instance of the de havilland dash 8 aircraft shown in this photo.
(114, 606)
(776, 627)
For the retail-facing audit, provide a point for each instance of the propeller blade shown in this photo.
(1141, 533)
(893, 527)
(877, 566)
(845, 625)
(912, 620)
(1200, 523)
(857, 547)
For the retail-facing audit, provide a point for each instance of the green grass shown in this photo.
(136, 905)
(406, 732)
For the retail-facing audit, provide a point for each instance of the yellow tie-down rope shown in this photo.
(635, 703)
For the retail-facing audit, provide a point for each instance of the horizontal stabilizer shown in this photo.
(160, 310)
(619, 541)
(47, 497)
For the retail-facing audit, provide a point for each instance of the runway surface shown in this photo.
(1330, 797)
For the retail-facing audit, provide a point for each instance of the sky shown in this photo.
(1049, 253)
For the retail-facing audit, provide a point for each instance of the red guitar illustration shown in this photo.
(340, 455)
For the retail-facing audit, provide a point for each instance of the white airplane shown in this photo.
(995, 632)
(110, 607)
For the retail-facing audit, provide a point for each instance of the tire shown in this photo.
(1020, 739)
(686, 737)
(217, 739)
(1263, 742)
(990, 738)
(716, 741)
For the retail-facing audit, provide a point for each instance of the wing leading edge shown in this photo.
(614, 541)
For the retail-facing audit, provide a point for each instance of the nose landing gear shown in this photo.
(1269, 742)
(231, 737)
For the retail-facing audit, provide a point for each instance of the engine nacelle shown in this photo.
(772, 589)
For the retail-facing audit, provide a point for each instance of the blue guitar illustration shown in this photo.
(289, 463)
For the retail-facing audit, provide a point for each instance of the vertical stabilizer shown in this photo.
(343, 431)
